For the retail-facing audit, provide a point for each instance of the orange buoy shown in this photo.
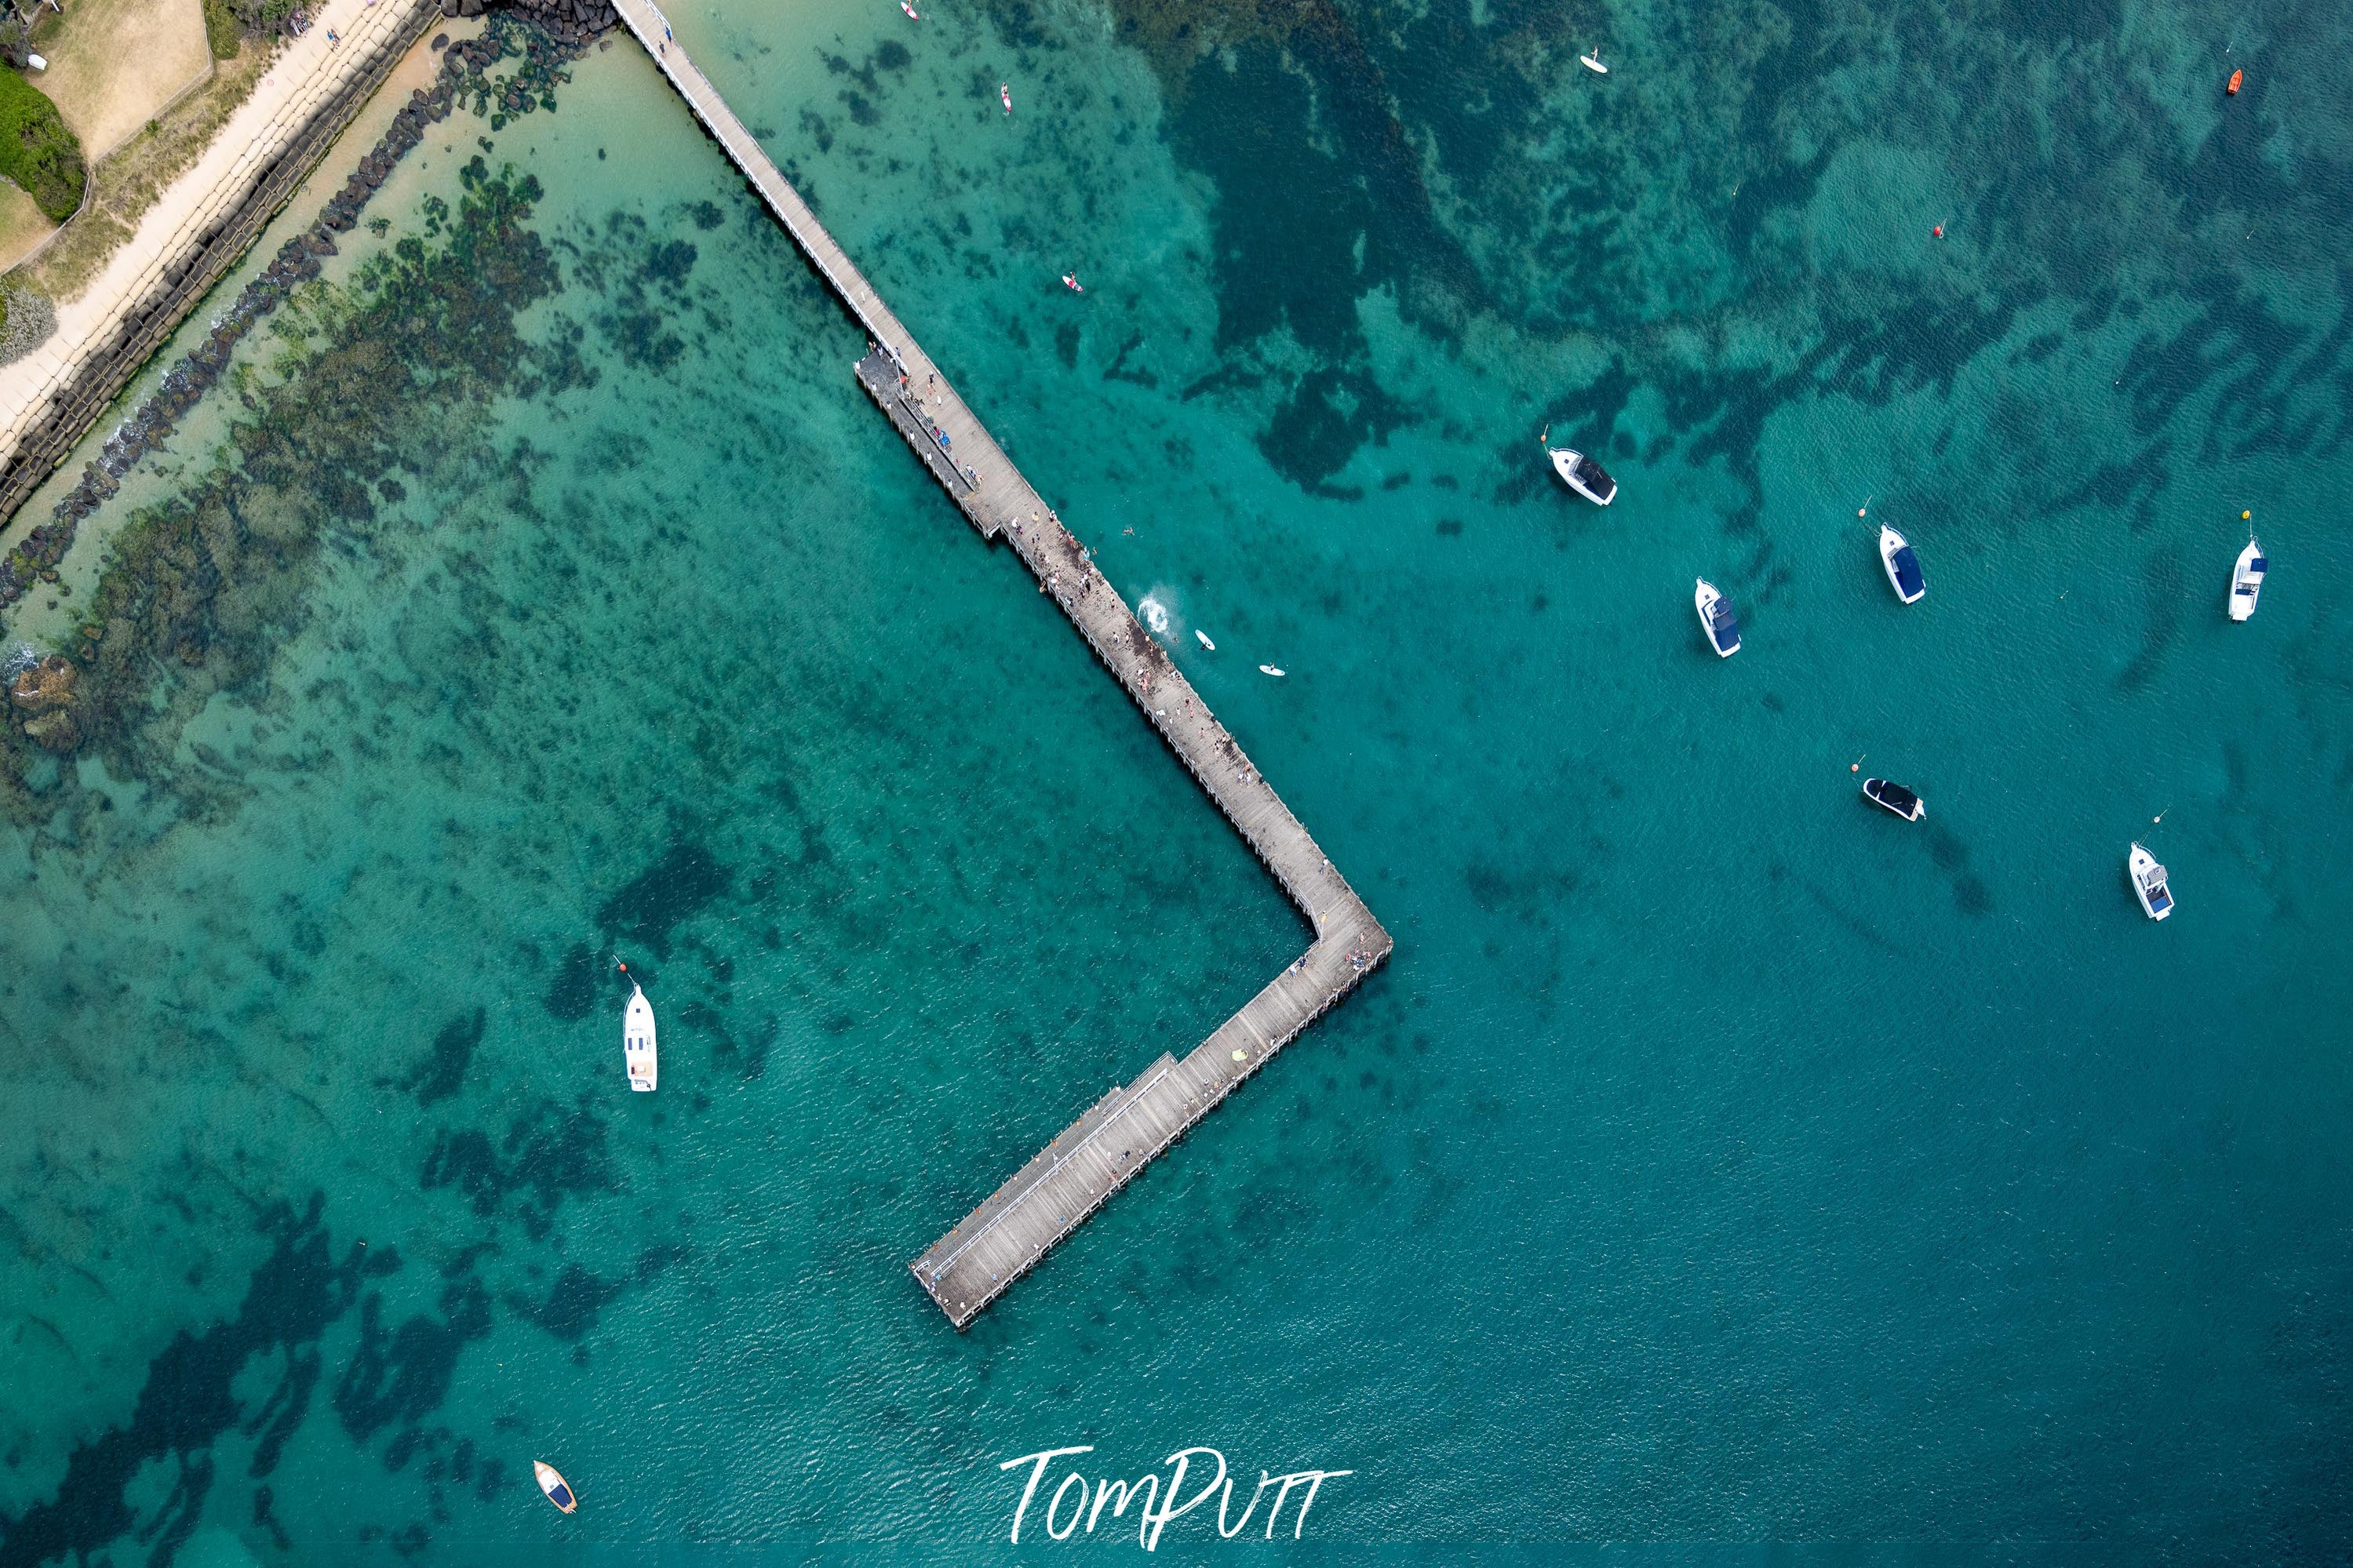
(2236, 77)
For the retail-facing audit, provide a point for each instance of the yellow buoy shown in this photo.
(2244, 515)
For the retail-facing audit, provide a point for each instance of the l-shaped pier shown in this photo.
(1096, 1155)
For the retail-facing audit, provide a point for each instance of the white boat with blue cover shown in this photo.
(2149, 883)
(1716, 617)
(1902, 566)
(1583, 475)
(2247, 580)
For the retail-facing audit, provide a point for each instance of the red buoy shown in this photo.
(1939, 231)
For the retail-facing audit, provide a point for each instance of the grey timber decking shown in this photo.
(1097, 1154)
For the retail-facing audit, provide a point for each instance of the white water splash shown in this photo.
(1155, 613)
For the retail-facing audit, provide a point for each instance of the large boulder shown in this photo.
(45, 687)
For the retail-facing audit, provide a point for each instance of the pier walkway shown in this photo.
(1099, 1153)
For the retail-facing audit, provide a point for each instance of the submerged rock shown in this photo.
(55, 732)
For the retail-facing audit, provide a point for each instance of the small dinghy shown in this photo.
(1204, 639)
(558, 1490)
(637, 1038)
(910, 10)
(1592, 62)
(1903, 566)
(1004, 91)
(1583, 475)
(2149, 883)
(1716, 617)
(1270, 669)
(1895, 797)
(2231, 89)
(2247, 580)
(1070, 282)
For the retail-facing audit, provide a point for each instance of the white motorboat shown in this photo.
(1583, 475)
(2247, 580)
(1592, 62)
(2149, 883)
(1205, 641)
(1716, 617)
(1903, 566)
(637, 1040)
(1895, 797)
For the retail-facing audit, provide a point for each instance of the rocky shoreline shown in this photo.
(543, 35)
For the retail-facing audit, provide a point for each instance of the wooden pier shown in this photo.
(1095, 1156)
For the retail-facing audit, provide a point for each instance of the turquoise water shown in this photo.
(1717, 1160)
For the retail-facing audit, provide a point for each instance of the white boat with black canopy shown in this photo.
(1716, 617)
(2149, 883)
(1583, 475)
(1902, 566)
(1895, 797)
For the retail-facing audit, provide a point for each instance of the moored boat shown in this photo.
(558, 1490)
(1205, 641)
(1583, 475)
(638, 1040)
(2247, 580)
(1716, 617)
(1895, 797)
(2149, 883)
(1903, 566)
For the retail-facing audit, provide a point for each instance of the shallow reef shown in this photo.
(382, 373)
